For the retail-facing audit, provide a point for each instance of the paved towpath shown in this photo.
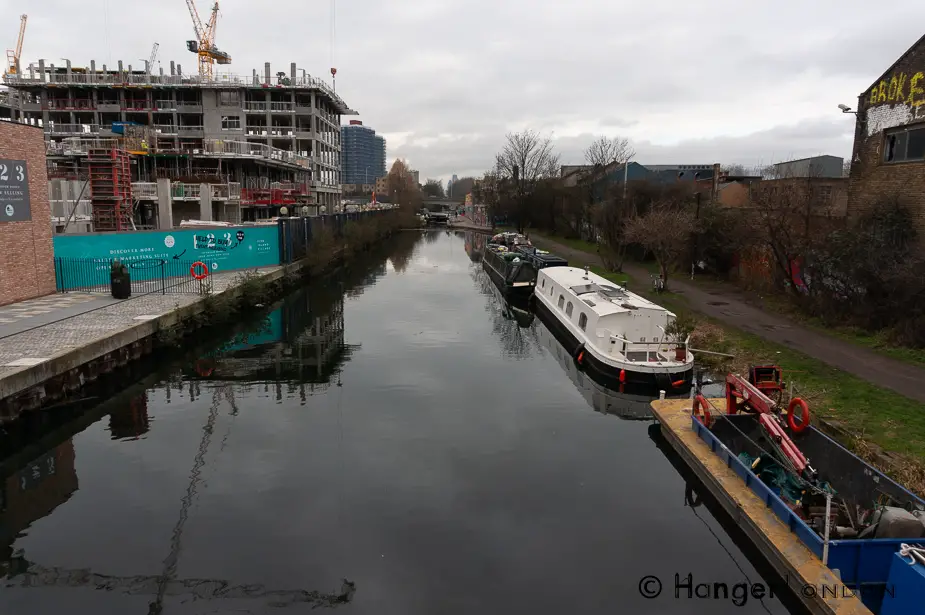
(34, 331)
(729, 306)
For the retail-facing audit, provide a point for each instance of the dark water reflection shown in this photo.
(392, 439)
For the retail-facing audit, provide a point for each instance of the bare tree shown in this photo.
(665, 230)
(607, 151)
(526, 158)
(846, 168)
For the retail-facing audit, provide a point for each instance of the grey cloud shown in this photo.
(452, 77)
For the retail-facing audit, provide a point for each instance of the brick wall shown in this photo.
(26, 253)
(896, 99)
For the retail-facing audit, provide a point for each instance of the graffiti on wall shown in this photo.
(896, 101)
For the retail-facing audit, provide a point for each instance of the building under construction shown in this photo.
(130, 148)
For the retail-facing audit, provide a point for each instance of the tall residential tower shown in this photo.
(362, 154)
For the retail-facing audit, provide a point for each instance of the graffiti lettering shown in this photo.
(894, 90)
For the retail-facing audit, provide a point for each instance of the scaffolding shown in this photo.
(111, 189)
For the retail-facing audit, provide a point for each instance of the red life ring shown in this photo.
(205, 372)
(804, 418)
(699, 409)
(199, 276)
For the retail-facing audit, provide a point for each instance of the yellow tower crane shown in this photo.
(204, 45)
(13, 55)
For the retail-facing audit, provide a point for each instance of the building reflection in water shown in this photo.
(131, 421)
(475, 245)
(33, 492)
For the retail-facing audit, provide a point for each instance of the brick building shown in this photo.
(888, 158)
(26, 252)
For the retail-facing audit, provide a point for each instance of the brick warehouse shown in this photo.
(26, 252)
(888, 158)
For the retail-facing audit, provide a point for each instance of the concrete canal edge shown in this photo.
(32, 387)
(794, 562)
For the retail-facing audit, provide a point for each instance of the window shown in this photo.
(543, 283)
(561, 301)
(568, 309)
(904, 145)
(229, 99)
(583, 321)
(231, 122)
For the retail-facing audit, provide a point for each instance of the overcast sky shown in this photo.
(443, 80)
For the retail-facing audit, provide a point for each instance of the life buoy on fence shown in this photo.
(804, 415)
(199, 276)
(700, 410)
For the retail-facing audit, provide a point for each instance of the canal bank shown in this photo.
(428, 453)
(46, 363)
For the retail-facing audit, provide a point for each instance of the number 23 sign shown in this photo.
(14, 191)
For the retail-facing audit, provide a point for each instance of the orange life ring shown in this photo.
(199, 276)
(205, 372)
(804, 418)
(699, 409)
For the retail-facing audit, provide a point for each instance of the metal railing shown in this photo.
(32, 76)
(221, 147)
(255, 105)
(191, 128)
(180, 190)
(165, 129)
(70, 103)
(67, 129)
(74, 146)
(165, 104)
(144, 190)
(147, 275)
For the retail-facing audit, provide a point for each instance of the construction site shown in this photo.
(131, 148)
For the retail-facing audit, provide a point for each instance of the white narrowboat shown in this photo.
(617, 336)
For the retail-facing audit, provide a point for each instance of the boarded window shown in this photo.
(561, 301)
(583, 321)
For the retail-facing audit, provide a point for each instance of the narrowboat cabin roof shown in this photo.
(601, 295)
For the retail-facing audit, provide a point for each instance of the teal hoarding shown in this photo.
(220, 249)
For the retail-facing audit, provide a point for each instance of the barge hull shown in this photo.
(607, 375)
(820, 591)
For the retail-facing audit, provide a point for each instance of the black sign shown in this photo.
(14, 191)
(240, 236)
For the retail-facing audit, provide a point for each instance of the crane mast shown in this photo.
(13, 55)
(204, 46)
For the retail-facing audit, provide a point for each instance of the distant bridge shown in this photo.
(441, 203)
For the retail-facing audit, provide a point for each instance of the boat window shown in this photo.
(543, 283)
(568, 309)
(583, 321)
(561, 301)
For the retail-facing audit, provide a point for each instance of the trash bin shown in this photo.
(120, 281)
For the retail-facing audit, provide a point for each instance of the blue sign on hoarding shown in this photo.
(221, 249)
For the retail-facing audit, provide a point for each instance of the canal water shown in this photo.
(393, 439)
